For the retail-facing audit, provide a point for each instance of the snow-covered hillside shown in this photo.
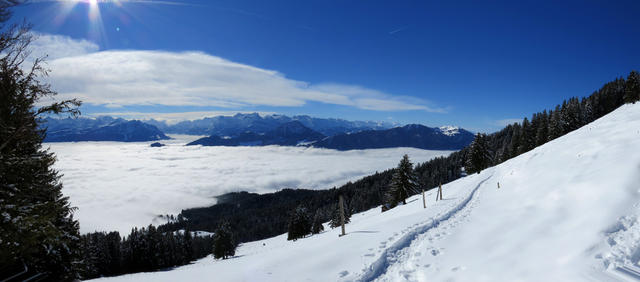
(566, 211)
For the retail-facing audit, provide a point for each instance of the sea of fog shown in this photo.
(117, 185)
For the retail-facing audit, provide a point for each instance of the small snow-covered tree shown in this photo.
(224, 245)
(403, 183)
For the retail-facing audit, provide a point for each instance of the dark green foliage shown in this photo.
(145, 249)
(479, 155)
(224, 245)
(299, 224)
(37, 229)
(632, 88)
(335, 216)
(316, 226)
(403, 183)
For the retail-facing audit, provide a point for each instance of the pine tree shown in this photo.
(224, 244)
(335, 216)
(37, 228)
(479, 155)
(299, 224)
(317, 227)
(556, 128)
(632, 88)
(403, 183)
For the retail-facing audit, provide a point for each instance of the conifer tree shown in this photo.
(37, 229)
(479, 155)
(224, 244)
(299, 224)
(335, 216)
(632, 88)
(555, 124)
(317, 227)
(403, 183)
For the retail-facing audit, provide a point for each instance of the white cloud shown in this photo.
(57, 46)
(128, 77)
(120, 185)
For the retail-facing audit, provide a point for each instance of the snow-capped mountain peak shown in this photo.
(449, 130)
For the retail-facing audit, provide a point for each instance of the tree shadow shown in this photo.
(448, 199)
(364, 231)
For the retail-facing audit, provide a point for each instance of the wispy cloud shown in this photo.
(507, 121)
(398, 29)
(143, 77)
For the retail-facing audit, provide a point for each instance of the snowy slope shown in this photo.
(566, 211)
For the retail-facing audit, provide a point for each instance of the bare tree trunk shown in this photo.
(342, 215)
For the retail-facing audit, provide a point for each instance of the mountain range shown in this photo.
(292, 133)
(100, 129)
(256, 130)
(412, 135)
(256, 123)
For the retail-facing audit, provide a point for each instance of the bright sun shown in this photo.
(93, 2)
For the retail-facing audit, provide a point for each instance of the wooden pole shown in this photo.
(342, 215)
(498, 185)
(440, 191)
(424, 203)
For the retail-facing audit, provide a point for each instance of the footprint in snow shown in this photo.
(435, 252)
(369, 255)
(344, 273)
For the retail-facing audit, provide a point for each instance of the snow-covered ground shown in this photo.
(566, 211)
(117, 185)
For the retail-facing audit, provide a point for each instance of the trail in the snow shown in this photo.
(423, 252)
(391, 254)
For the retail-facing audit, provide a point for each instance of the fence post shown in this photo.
(342, 215)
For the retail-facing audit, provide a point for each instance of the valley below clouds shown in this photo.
(117, 186)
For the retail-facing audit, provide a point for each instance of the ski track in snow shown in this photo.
(398, 253)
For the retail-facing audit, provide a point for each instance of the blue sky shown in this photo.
(473, 64)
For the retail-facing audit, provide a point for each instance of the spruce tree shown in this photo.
(556, 128)
(317, 227)
(632, 88)
(479, 156)
(37, 228)
(403, 183)
(299, 224)
(224, 244)
(335, 216)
